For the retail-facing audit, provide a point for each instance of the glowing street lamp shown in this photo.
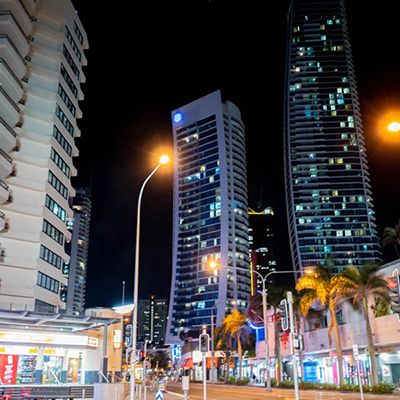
(394, 126)
(164, 159)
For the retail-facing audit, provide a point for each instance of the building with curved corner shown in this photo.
(209, 215)
(42, 47)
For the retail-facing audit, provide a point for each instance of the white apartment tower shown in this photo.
(42, 47)
(209, 215)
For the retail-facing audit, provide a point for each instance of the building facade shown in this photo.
(42, 55)
(320, 363)
(209, 214)
(329, 203)
(261, 245)
(78, 249)
(152, 320)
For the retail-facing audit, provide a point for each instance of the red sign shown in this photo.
(8, 368)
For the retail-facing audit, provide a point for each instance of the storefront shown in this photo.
(53, 349)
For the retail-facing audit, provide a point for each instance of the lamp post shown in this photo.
(212, 347)
(214, 264)
(163, 160)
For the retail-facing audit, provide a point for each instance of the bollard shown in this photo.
(83, 393)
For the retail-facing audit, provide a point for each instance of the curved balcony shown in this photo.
(4, 194)
(10, 110)
(2, 221)
(5, 164)
(8, 138)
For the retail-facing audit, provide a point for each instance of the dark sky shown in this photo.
(147, 58)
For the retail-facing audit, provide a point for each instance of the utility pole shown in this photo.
(212, 347)
(293, 338)
(204, 347)
(123, 293)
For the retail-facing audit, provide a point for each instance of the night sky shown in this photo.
(147, 58)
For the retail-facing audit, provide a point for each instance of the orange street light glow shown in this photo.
(309, 271)
(164, 159)
(394, 126)
(213, 264)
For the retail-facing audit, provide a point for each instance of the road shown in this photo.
(231, 392)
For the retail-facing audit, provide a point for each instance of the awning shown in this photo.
(209, 362)
(187, 364)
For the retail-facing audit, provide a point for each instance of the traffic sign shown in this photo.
(159, 395)
(355, 351)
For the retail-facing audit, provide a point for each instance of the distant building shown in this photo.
(329, 200)
(261, 244)
(152, 320)
(42, 46)
(209, 215)
(79, 246)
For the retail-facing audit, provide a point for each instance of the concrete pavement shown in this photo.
(232, 392)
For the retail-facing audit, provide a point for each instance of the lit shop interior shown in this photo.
(37, 348)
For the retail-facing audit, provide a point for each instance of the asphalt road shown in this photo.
(230, 392)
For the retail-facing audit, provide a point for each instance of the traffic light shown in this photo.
(128, 335)
(394, 291)
(283, 312)
(204, 343)
(141, 355)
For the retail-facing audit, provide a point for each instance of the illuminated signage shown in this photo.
(178, 117)
(117, 338)
(48, 338)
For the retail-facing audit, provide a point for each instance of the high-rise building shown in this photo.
(152, 320)
(329, 203)
(209, 214)
(78, 250)
(42, 47)
(261, 245)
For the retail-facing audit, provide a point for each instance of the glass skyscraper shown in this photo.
(210, 215)
(329, 203)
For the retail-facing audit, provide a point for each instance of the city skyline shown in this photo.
(155, 86)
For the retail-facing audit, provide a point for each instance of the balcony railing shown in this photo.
(6, 156)
(3, 184)
(8, 127)
(11, 72)
(16, 23)
(25, 9)
(11, 101)
(4, 36)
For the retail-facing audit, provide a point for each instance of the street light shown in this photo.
(214, 264)
(394, 126)
(164, 159)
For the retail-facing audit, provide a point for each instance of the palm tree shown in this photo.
(391, 236)
(326, 288)
(159, 360)
(223, 341)
(235, 325)
(362, 284)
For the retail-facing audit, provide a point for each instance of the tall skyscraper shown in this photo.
(329, 203)
(209, 214)
(261, 245)
(152, 320)
(41, 60)
(78, 250)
